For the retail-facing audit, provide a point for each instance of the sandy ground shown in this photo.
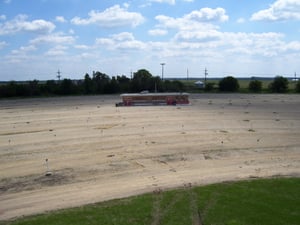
(99, 152)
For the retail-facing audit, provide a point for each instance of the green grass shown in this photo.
(272, 201)
(267, 201)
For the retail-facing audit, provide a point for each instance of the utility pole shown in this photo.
(130, 74)
(58, 75)
(162, 70)
(295, 76)
(205, 75)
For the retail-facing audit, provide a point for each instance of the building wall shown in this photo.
(155, 99)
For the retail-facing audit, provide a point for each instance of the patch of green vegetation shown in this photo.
(173, 208)
(263, 201)
(271, 201)
(135, 210)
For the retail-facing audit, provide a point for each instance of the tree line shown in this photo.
(97, 83)
(101, 83)
(279, 84)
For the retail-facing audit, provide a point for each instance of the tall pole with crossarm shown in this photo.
(162, 70)
(58, 75)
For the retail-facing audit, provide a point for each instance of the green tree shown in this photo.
(88, 86)
(142, 80)
(175, 86)
(10, 89)
(67, 87)
(24, 90)
(112, 87)
(34, 88)
(279, 85)
(229, 84)
(255, 86)
(298, 86)
(100, 80)
(209, 86)
(156, 84)
(51, 88)
(124, 83)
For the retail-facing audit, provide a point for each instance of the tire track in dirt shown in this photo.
(196, 216)
(158, 211)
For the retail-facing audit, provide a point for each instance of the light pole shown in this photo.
(162, 70)
(205, 75)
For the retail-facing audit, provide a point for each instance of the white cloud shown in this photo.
(211, 42)
(126, 5)
(263, 44)
(171, 2)
(168, 22)
(86, 55)
(28, 48)
(124, 36)
(20, 24)
(24, 49)
(2, 17)
(58, 50)
(106, 42)
(57, 38)
(7, 1)
(60, 19)
(198, 36)
(186, 44)
(82, 47)
(2, 44)
(21, 54)
(280, 10)
(291, 46)
(114, 16)
(196, 20)
(157, 32)
(124, 41)
(182, 23)
(208, 15)
(241, 20)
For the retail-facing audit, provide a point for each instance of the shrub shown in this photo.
(279, 85)
(255, 86)
(229, 84)
(209, 86)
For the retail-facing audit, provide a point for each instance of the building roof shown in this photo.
(155, 94)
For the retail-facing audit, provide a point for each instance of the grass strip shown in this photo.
(263, 201)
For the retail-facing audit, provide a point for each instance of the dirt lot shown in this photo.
(98, 152)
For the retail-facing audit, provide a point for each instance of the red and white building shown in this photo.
(136, 99)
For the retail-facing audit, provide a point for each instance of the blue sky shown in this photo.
(228, 37)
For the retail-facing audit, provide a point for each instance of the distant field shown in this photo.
(255, 202)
